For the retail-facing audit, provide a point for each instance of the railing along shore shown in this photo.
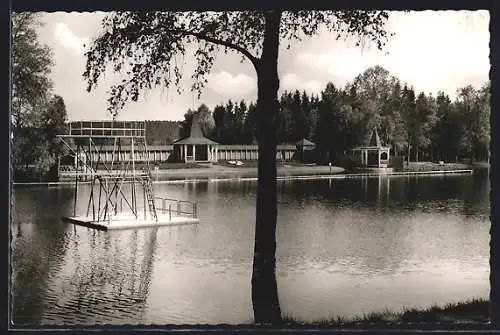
(282, 177)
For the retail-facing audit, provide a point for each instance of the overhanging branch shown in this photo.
(233, 46)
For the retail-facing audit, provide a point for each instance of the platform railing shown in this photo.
(171, 207)
(107, 129)
(176, 207)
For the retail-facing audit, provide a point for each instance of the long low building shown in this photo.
(193, 148)
(165, 153)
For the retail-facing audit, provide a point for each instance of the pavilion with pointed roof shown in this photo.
(196, 147)
(303, 146)
(374, 154)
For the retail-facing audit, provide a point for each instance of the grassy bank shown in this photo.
(254, 164)
(223, 171)
(472, 311)
(430, 166)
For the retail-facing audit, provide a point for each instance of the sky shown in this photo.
(431, 51)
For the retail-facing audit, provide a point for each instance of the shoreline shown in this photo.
(227, 176)
(472, 312)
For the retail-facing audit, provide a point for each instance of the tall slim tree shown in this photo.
(205, 118)
(249, 127)
(146, 44)
(53, 123)
(407, 113)
(219, 115)
(31, 66)
(467, 106)
(330, 123)
(483, 125)
(186, 123)
(313, 117)
(240, 111)
(423, 121)
(285, 119)
(306, 109)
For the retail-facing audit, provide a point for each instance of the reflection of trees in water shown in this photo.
(110, 282)
(356, 240)
(372, 190)
(386, 193)
(477, 195)
(38, 247)
(369, 219)
(242, 187)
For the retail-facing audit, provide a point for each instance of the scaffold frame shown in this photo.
(109, 178)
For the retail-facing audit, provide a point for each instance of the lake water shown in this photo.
(345, 247)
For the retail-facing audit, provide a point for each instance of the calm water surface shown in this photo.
(345, 247)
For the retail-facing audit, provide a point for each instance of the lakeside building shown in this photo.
(194, 148)
(305, 150)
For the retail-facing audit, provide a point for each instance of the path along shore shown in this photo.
(208, 172)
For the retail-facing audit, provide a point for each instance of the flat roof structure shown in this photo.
(106, 129)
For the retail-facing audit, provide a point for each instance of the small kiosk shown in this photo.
(196, 147)
(305, 150)
(374, 155)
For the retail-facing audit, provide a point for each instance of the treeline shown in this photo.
(38, 114)
(162, 132)
(417, 125)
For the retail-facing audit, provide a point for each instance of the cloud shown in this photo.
(347, 63)
(450, 46)
(292, 82)
(66, 38)
(449, 51)
(226, 83)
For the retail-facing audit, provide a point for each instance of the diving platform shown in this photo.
(119, 186)
(129, 221)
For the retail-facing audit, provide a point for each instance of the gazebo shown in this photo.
(196, 147)
(374, 154)
(304, 146)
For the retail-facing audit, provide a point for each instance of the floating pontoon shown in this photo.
(118, 184)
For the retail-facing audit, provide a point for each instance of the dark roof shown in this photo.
(375, 139)
(195, 140)
(305, 143)
(196, 135)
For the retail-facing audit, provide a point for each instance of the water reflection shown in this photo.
(39, 243)
(108, 279)
(345, 246)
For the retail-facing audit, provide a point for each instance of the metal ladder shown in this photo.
(148, 187)
(148, 184)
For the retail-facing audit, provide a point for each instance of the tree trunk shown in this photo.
(264, 287)
(416, 154)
